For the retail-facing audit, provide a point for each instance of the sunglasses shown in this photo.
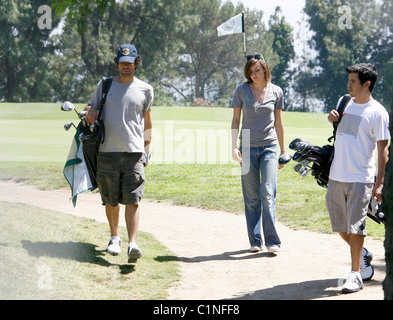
(257, 56)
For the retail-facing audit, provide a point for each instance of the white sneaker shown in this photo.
(254, 249)
(134, 253)
(114, 246)
(273, 249)
(366, 269)
(353, 283)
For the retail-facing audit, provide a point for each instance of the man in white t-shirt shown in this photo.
(353, 179)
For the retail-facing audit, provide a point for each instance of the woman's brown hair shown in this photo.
(251, 62)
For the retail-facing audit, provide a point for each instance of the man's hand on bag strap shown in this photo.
(91, 115)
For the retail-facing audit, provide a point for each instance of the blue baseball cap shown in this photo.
(126, 53)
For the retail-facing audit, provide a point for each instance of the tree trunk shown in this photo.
(198, 86)
(388, 208)
(11, 82)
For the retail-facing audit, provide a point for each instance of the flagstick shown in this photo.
(245, 50)
(244, 37)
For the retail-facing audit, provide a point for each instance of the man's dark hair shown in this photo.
(137, 63)
(366, 72)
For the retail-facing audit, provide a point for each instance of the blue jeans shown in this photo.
(259, 184)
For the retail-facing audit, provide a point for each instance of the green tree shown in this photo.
(341, 38)
(69, 75)
(204, 54)
(24, 50)
(283, 45)
(381, 48)
(212, 66)
(94, 30)
(178, 43)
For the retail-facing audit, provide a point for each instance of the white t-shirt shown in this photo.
(123, 115)
(362, 125)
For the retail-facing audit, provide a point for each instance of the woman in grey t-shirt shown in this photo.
(262, 130)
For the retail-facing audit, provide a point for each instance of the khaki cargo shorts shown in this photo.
(347, 204)
(120, 177)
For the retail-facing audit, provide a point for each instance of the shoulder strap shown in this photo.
(106, 84)
(344, 102)
(341, 108)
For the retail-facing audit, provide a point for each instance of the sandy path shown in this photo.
(212, 248)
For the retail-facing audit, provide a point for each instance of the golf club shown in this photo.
(68, 125)
(294, 145)
(305, 148)
(304, 171)
(300, 165)
(376, 209)
(93, 125)
(297, 167)
(284, 158)
(69, 106)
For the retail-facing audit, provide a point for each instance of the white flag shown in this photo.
(233, 25)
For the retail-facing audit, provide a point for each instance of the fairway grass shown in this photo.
(52, 255)
(191, 159)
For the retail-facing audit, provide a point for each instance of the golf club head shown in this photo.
(284, 158)
(304, 171)
(294, 145)
(68, 125)
(92, 126)
(298, 157)
(81, 137)
(375, 211)
(297, 167)
(315, 159)
(82, 114)
(312, 150)
(300, 165)
(67, 106)
(305, 148)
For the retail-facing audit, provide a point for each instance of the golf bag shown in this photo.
(314, 159)
(318, 160)
(319, 157)
(93, 135)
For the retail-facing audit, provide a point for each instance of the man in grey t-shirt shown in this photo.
(125, 151)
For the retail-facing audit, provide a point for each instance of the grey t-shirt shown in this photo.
(258, 118)
(123, 115)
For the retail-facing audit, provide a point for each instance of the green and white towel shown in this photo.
(75, 170)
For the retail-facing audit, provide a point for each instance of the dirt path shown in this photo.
(212, 248)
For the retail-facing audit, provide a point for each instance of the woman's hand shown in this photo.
(280, 166)
(236, 155)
